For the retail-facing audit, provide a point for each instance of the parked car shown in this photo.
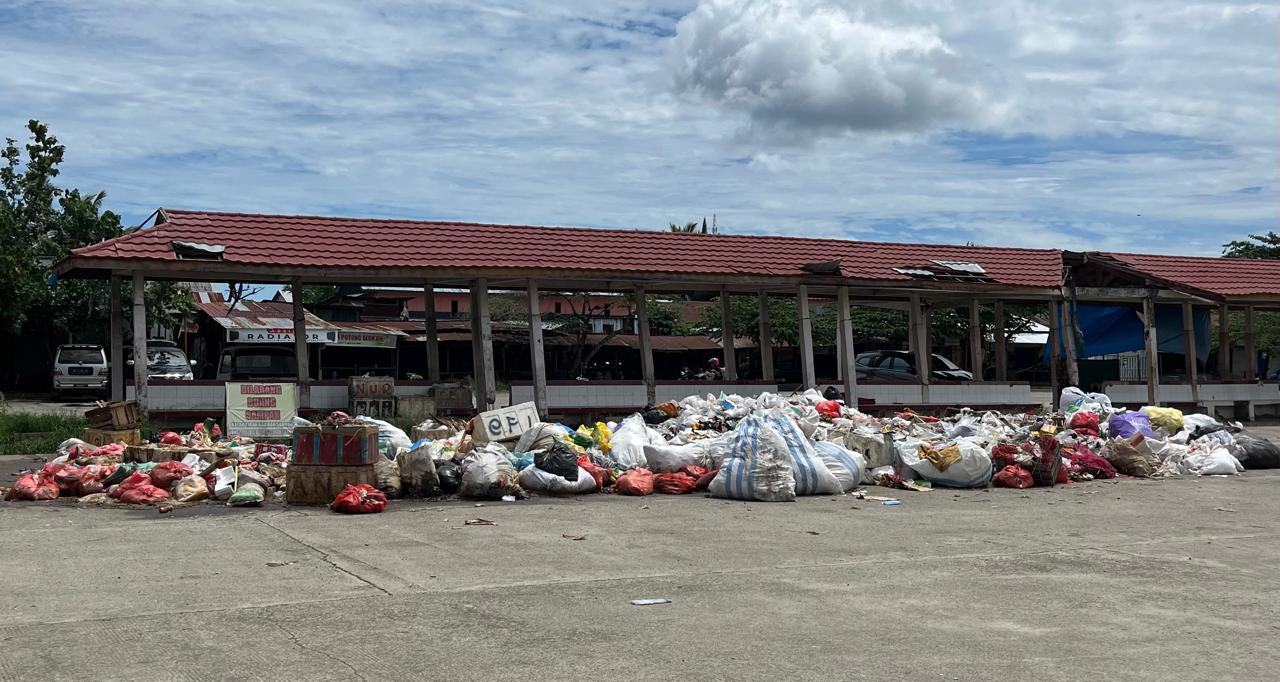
(79, 367)
(165, 360)
(900, 365)
(257, 362)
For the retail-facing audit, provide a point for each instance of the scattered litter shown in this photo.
(278, 564)
(575, 538)
(650, 602)
(479, 522)
(891, 503)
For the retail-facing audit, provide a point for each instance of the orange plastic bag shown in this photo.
(674, 484)
(1013, 476)
(635, 482)
(359, 499)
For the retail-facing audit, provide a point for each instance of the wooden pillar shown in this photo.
(432, 333)
(482, 337)
(1002, 348)
(848, 366)
(1189, 350)
(921, 345)
(300, 345)
(116, 328)
(766, 340)
(975, 340)
(1069, 341)
(1055, 347)
(726, 337)
(1224, 344)
(1250, 346)
(1152, 348)
(140, 341)
(537, 353)
(807, 371)
(646, 349)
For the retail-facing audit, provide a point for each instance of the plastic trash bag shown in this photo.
(417, 471)
(973, 469)
(1128, 424)
(1166, 418)
(1013, 476)
(488, 475)
(449, 474)
(628, 441)
(638, 481)
(1217, 462)
(557, 460)
(32, 487)
(1255, 453)
(1086, 423)
(190, 489)
(386, 476)
(1084, 461)
(810, 474)
(539, 437)
(1198, 421)
(757, 465)
(539, 480)
(359, 499)
(1071, 397)
(390, 437)
(599, 474)
(165, 474)
(524, 461)
(848, 467)
(247, 495)
(674, 484)
(1128, 460)
(874, 446)
(669, 458)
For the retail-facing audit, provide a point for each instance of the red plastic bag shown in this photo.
(674, 484)
(34, 487)
(1084, 422)
(693, 470)
(635, 482)
(359, 499)
(66, 476)
(109, 450)
(704, 481)
(135, 480)
(599, 473)
(170, 438)
(165, 474)
(1004, 454)
(829, 409)
(142, 494)
(1013, 476)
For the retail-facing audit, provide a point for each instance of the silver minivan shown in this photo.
(79, 367)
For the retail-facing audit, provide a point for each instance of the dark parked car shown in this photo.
(900, 365)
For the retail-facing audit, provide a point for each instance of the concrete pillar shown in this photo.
(726, 337)
(116, 326)
(646, 349)
(300, 345)
(1069, 341)
(807, 371)
(1189, 350)
(140, 341)
(1224, 344)
(1152, 348)
(921, 348)
(1002, 349)
(482, 337)
(537, 353)
(1250, 346)
(975, 340)
(766, 340)
(1055, 347)
(848, 367)
(432, 333)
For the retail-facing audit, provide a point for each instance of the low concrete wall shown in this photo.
(1216, 398)
(210, 396)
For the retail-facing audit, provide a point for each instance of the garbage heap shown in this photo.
(767, 448)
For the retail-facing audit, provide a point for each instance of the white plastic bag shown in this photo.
(629, 440)
(1216, 462)
(811, 476)
(872, 445)
(393, 440)
(1191, 422)
(1071, 397)
(540, 437)
(665, 459)
(973, 469)
(756, 466)
(848, 467)
(533, 478)
(487, 475)
(417, 470)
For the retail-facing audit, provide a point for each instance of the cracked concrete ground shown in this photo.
(1145, 580)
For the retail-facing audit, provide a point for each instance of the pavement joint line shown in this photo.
(297, 643)
(326, 557)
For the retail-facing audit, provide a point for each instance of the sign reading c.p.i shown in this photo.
(507, 423)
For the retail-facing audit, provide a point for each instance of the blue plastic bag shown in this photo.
(1126, 424)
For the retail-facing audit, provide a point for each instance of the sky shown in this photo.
(1144, 125)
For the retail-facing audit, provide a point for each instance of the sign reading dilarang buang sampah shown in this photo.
(261, 410)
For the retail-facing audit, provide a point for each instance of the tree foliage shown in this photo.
(1256, 246)
(40, 224)
(1266, 325)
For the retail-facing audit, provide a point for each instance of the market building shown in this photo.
(433, 257)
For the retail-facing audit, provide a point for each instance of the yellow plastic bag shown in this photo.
(1167, 418)
(941, 458)
(190, 489)
(602, 436)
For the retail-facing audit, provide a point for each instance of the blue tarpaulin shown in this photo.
(1108, 330)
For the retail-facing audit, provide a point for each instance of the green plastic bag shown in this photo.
(247, 495)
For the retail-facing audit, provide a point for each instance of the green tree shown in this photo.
(1266, 325)
(1256, 246)
(688, 228)
(666, 316)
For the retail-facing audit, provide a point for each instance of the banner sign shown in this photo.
(278, 335)
(365, 340)
(261, 410)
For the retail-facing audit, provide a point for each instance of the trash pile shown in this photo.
(767, 448)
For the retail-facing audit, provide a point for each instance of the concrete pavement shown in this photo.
(1123, 580)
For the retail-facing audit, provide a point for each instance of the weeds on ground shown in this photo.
(36, 434)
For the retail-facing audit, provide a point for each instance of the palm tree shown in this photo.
(689, 228)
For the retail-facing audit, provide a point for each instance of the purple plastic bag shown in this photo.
(1126, 424)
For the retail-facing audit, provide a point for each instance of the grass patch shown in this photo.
(37, 434)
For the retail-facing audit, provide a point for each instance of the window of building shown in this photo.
(453, 308)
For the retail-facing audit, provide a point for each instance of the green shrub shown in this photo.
(37, 434)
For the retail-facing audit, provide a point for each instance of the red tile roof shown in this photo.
(1220, 276)
(329, 242)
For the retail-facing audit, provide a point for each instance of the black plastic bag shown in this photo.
(1202, 431)
(654, 416)
(450, 475)
(1256, 453)
(558, 460)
